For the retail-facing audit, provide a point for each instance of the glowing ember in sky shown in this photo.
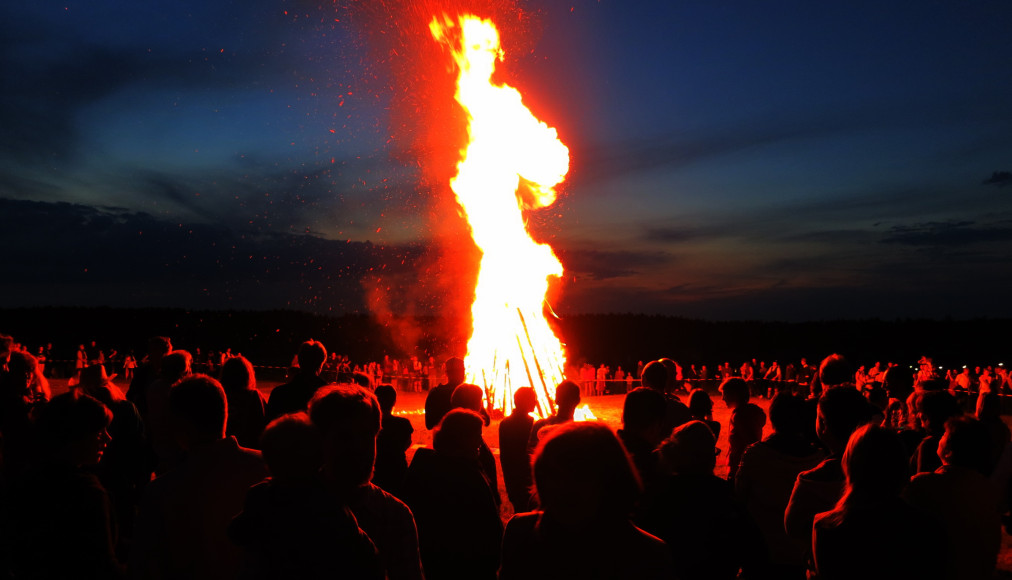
(511, 163)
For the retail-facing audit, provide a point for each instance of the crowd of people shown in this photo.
(188, 475)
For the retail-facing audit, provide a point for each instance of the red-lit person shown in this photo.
(960, 496)
(392, 443)
(468, 396)
(454, 503)
(294, 396)
(746, 422)
(586, 488)
(181, 529)
(291, 526)
(437, 402)
(871, 532)
(348, 418)
(567, 398)
(247, 406)
(60, 494)
(514, 433)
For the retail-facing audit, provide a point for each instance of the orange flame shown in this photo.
(584, 414)
(511, 343)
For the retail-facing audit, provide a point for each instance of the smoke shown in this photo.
(404, 66)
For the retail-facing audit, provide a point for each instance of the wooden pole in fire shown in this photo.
(527, 368)
(537, 365)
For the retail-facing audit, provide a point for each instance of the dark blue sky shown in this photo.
(734, 159)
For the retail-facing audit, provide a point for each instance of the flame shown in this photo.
(584, 414)
(511, 343)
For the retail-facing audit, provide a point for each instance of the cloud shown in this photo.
(950, 233)
(670, 234)
(603, 264)
(74, 254)
(999, 178)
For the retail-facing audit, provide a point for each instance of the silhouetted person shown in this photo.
(963, 499)
(290, 525)
(989, 415)
(641, 432)
(459, 530)
(294, 396)
(184, 514)
(468, 396)
(147, 372)
(18, 402)
(840, 412)
(348, 418)
(701, 409)
(835, 371)
(514, 433)
(247, 406)
(709, 534)
(175, 366)
(871, 532)
(586, 488)
(765, 479)
(126, 464)
(656, 376)
(59, 495)
(567, 398)
(899, 384)
(392, 443)
(745, 426)
(934, 408)
(437, 402)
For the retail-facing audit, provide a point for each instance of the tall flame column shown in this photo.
(511, 343)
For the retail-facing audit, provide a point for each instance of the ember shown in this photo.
(511, 343)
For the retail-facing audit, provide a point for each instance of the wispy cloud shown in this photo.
(999, 178)
(950, 234)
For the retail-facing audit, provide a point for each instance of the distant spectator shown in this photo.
(129, 365)
(147, 373)
(294, 396)
(567, 398)
(745, 426)
(437, 402)
(586, 487)
(247, 406)
(655, 376)
(392, 443)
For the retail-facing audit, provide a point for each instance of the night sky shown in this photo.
(733, 159)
